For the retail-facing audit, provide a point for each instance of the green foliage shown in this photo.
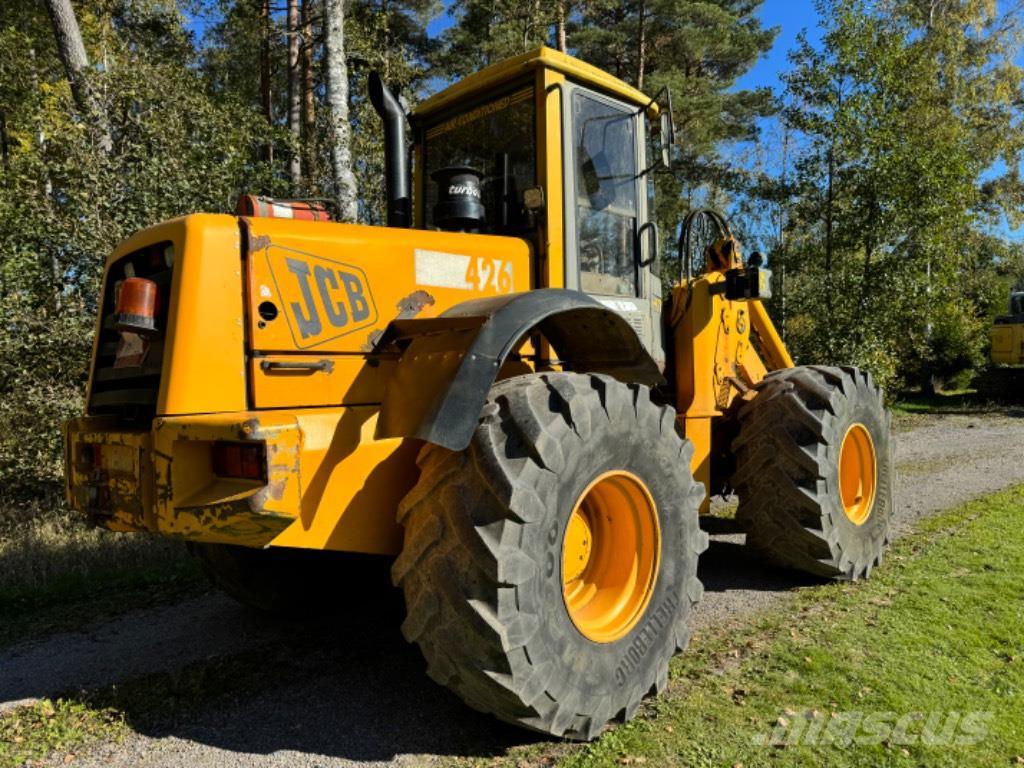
(392, 40)
(487, 31)
(903, 119)
(43, 357)
(64, 204)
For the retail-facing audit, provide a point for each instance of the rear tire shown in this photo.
(787, 475)
(483, 563)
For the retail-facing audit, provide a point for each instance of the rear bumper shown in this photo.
(330, 484)
(162, 480)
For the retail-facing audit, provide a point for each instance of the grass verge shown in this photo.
(56, 573)
(962, 401)
(921, 665)
(36, 732)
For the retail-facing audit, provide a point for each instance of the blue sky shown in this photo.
(791, 16)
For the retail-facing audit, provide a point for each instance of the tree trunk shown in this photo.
(337, 104)
(641, 45)
(560, 28)
(829, 223)
(294, 96)
(71, 51)
(48, 250)
(531, 24)
(265, 101)
(4, 148)
(308, 98)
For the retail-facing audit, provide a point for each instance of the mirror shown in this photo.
(665, 130)
(668, 137)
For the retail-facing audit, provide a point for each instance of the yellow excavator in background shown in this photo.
(495, 390)
(1004, 380)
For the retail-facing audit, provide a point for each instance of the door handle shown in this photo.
(269, 366)
(655, 241)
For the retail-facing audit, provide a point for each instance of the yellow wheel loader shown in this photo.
(495, 390)
(1004, 379)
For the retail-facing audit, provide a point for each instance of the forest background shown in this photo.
(878, 169)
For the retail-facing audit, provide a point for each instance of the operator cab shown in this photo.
(1017, 303)
(549, 149)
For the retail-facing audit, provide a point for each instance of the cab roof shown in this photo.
(539, 58)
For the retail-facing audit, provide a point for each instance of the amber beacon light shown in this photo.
(136, 307)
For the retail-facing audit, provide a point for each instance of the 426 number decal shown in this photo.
(485, 273)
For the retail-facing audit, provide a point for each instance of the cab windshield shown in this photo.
(489, 138)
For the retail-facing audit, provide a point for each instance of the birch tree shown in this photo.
(73, 57)
(905, 113)
(294, 95)
(560, 41)
(337, 106)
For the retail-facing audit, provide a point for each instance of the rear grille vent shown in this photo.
(131, 392)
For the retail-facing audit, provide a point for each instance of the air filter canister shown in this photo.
(459, 206)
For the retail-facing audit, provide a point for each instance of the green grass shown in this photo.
(935, 633)
(32, 734)
(955, 401)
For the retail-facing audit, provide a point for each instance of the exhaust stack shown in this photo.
(396, 166)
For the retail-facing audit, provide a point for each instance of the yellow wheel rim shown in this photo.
(610, 556)
(858, 474)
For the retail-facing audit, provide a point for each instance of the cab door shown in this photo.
(606, 209)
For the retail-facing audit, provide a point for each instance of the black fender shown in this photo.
(448, 364)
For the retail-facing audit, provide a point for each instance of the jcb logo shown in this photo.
(323, 299)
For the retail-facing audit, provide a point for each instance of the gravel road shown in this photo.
(353, 693)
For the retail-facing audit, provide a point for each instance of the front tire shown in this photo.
(814, 471)
(510, 543)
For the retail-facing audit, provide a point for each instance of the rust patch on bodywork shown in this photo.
(105, 473)
(195, 504)
(259, 243)
(408, 307)
(413, 304)
(228, 523)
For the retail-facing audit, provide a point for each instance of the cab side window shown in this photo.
(606, 196)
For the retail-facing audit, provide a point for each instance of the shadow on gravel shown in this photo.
(354, 689)
(343, 687)
(349, 687)
(728, 566)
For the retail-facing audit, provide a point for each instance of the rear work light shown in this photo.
(245, 461)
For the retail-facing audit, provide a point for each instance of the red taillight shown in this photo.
(136, 307)
(241, 460)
